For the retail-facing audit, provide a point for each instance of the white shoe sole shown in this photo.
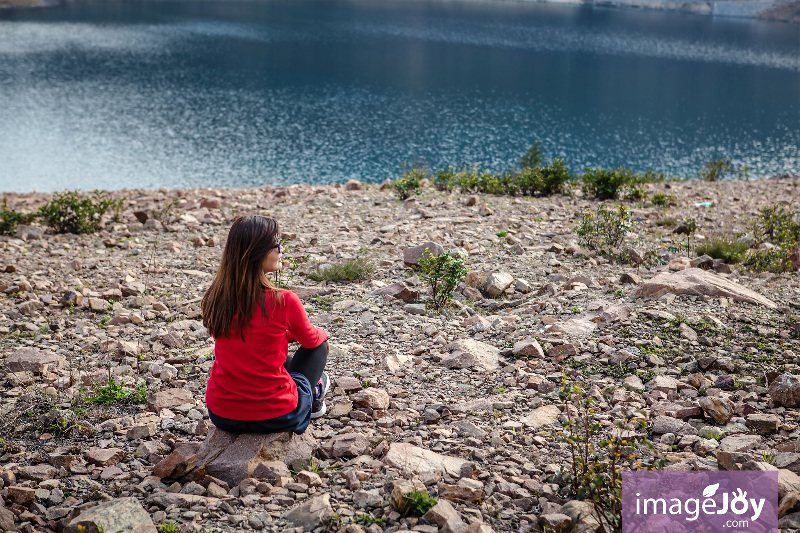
(320, 413)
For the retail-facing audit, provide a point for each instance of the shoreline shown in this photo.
(763, 10)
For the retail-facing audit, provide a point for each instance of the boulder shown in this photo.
(124, 515)
(182, 460)
(353, 185)
(316, 512)
(497, 283)
(698, 282)
(169, 398)
(345, 445)
(468, 353)
(739, 443)
(104, 456)
(785, 390)
(232, 457)
(398, 290)
(33, 360)
(371, 397)
(541, 416)
(444, 514)
(411, 256)
(528, 347)
(716, 408)
(765, 424)
(414, 460)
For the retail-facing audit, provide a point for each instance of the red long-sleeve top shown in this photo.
(248, 380)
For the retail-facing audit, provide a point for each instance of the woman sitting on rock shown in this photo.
(253, 387)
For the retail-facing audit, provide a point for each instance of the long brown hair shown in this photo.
(240, 283)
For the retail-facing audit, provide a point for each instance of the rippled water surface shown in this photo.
(138, 93)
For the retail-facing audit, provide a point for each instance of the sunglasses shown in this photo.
(278, 246)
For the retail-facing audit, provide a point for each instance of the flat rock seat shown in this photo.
(233, 458)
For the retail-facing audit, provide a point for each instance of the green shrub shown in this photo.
(533, 157)
(68, 213)
(10, 219)
(715, 170)
(411, 181)
(114, 392)
(442, 274)
(662, 199)
(418, 503)
(605, 184)
(555, 177)
(781, 227)
(604, 228)
(729, 249)
(598, 457)
(770, 260)
(347, 270)
(445, 179)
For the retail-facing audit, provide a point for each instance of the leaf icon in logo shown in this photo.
(710, 490)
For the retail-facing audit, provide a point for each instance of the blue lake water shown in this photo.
(144, 93)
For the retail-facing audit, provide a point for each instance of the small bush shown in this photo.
(533, 157)
(605, 184)
(661, 199)
(715, 170)
(347, 270)
(442, 274)
(780, 227)
(68, 213)
(776, 260)
(604, 228)
(114, 393)
(729, 249)
(10, 219)
(597, 458)
(411, 181)
(418, 503)
(445, 179)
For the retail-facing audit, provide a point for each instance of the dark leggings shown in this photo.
(310, 362)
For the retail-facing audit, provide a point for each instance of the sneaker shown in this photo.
(318, 408)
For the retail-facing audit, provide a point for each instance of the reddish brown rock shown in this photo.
(182, 459)
(33, 360)
(169, 398)
(104, 456)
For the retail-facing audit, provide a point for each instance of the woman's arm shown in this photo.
(300, 327)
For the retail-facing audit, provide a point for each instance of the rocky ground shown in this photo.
(464, 406)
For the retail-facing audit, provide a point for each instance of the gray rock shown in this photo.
(497, 283)
(398, 290)
(739, 443)
(125, 514)
(528, 347)
(233, 458)
(33, 360)
(414, 460)
(468, 353)
(411, 256)
(698, 282)
(345, 445)
(316, 512)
